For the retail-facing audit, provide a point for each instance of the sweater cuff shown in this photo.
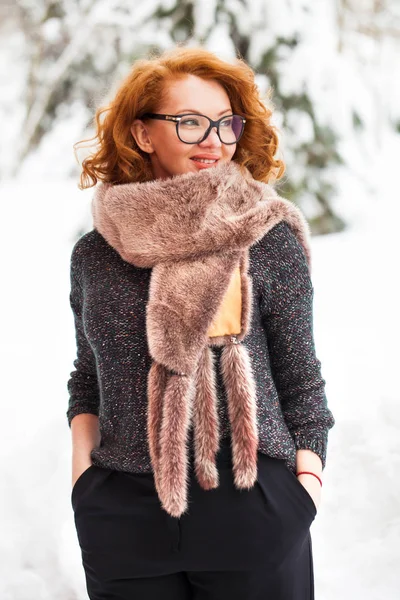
(77, 410)
(317, 445)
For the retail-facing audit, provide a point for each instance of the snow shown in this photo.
(357, 530)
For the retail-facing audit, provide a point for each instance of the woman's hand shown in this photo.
(312, 486)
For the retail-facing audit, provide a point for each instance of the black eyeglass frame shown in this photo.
(176, 119)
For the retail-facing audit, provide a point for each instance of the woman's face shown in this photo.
(169, 156)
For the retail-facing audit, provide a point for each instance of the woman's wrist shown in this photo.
(308, 461)
(310, 473)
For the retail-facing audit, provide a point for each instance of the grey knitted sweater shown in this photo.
(108, 300)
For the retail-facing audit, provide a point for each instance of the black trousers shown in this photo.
(238, 544)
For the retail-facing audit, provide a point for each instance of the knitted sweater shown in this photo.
(108, 300)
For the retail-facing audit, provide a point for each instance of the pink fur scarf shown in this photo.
(194, 230)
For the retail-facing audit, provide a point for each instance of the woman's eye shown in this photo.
(190, 122)
(227, 123)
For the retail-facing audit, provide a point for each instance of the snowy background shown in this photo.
(337, 97)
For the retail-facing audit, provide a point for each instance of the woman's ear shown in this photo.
(141, 136)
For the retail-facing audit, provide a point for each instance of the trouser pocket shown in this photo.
(85, 484)
(287, 514)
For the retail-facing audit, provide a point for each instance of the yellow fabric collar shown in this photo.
(228, 317)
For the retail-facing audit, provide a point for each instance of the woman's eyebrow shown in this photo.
(191, 110)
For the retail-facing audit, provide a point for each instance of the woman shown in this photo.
(197, 406)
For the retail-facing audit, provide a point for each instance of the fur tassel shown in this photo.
(172, 475)
(242, 409)
(205, 422)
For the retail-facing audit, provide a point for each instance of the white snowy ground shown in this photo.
(357, 530)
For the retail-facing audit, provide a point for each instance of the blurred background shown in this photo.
(334, 70)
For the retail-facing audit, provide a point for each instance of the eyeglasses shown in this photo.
(193, 128)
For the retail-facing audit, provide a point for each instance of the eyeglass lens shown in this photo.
(192, 128)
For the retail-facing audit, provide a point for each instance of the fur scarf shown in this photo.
(194, 230)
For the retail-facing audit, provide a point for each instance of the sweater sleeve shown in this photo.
(83, 383)
(287, 314)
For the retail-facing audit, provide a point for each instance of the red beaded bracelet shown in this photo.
(309, 473)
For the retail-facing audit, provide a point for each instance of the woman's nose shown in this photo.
(212, 139)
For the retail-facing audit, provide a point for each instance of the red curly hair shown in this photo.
(118, 159)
